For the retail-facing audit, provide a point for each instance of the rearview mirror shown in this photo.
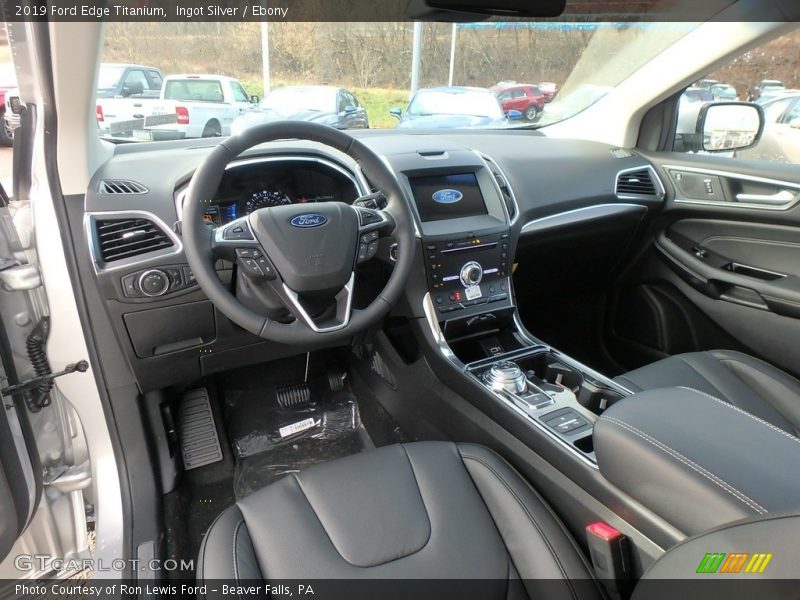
(350, 109)
(132, 89)
(397, 113)
(728, 126)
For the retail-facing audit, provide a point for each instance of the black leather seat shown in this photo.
(423, 511)
(738, 379)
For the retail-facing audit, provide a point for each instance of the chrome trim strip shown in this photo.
(127, 263)
(740, 177)
(433, 322)
(661, 191)
(357, 179)
(579, 215)
(344, 304)
(485, 158)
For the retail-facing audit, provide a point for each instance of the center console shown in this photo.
(463, 215)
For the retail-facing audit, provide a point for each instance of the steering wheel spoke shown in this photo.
(340, 320)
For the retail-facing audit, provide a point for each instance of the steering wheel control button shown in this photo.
(369, 217)
(154, 283)
(266, 267)
(237, 232)
(369, 237)
(362, 252)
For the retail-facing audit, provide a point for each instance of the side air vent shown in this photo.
(638, 183)
(502, 183)
(118, 239)
(121, 186)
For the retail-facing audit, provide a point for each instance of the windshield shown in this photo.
(109, 76)
(300, 98)
(476, 104)
(294, 69)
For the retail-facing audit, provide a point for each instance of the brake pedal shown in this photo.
(292, 396)
(196, 430)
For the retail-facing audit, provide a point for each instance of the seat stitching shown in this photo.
(235, 553)
(697, 370)
(745, 413)
(530, 518)
(689, 463)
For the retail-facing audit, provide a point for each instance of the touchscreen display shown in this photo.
(442, 197)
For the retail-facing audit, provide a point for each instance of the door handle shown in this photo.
(784, 197)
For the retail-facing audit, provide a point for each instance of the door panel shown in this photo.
(727, 245)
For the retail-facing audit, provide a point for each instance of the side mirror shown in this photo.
(254, 99)
(728, 126)
(397, 113)
(514, 115)
(795, 123)
(350, 109)
(133, 89)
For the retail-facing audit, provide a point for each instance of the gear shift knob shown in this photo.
(506, 375)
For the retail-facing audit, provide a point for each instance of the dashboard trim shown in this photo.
(579, 215)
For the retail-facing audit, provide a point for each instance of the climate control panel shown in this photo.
(468, 272)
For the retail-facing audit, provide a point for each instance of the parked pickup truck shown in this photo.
(126, 93)
(203, 106)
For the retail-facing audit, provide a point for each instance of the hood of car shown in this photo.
(448, 122)
(258, 117)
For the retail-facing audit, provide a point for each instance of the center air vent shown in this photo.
(638, 183)
(118, 239)
(121, 186)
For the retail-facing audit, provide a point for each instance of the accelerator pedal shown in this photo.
(197, 431)
(293, 396)
(336, 379)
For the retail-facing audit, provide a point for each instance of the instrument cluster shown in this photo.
(250, 187)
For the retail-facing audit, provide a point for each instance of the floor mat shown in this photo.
(289, 440)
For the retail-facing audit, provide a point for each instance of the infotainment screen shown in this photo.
(442, 197)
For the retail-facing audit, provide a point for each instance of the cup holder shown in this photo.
(547, 369)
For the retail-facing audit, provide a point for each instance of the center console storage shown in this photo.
(695, 460)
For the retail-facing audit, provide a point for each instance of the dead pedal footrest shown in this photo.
(197, 431)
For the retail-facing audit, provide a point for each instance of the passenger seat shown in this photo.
(738, 379)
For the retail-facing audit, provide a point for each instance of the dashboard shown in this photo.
(251, 185)
(476, 198)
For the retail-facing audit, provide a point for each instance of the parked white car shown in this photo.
(203, 106)
(781, 139)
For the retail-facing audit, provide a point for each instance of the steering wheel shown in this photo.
(303, 255)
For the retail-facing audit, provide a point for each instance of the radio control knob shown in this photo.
(154, 283)
(471, 274)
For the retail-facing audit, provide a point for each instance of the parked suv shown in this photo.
(526, 98)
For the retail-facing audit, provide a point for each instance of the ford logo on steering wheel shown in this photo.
(447, 196)
(305, 221)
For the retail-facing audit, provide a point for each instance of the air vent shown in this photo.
(118, 239)
(121, 186)
(502, 183)
(637, 183)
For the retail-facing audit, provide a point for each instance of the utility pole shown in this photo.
(452, 54)
(265, 56)
(416, 57)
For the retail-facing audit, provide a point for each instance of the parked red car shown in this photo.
(526, 98)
